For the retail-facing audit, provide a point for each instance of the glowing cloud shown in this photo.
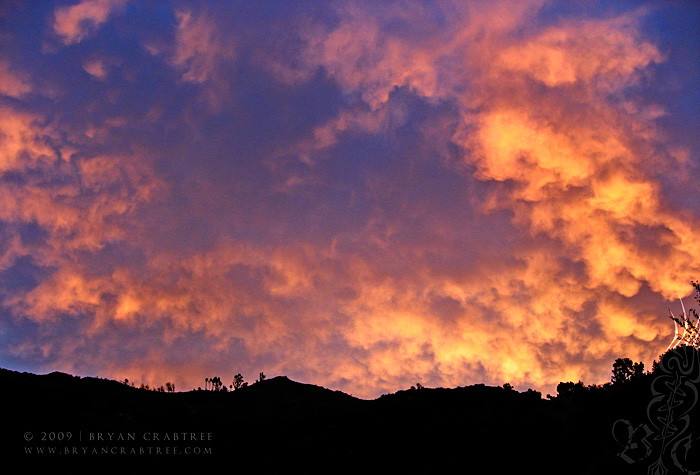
(354, 194)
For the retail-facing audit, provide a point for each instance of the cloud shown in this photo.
(95, 68)
(76, 22)
(577, 167)
(199, 47)
(608, 54)
(357, 195)
(74, 197)
(11, 83)
(539, 117)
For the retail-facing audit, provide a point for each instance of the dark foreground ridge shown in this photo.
(278, 424)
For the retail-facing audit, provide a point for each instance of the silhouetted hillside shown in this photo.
(279, 423)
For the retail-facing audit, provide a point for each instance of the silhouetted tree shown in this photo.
(625, 370)
(531, 393)
(654, 366)
(237, 381)
(508, 386)
(215, 383)
(570, 388)
(262, 376)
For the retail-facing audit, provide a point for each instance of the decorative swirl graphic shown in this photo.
(666, 440)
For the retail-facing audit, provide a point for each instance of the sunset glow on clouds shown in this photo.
(361, 195)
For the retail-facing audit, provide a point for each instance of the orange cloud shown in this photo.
(552, 145)
(202, 51)
(74, 23)
(78, 200)
(11, 83)
(608, 54)
(95, 68)
(574, 165)
(200, 47)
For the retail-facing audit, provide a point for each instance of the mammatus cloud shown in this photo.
(373, 195)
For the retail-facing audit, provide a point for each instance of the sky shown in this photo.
(356, 194)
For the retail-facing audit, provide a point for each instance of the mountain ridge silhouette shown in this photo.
(288, 424)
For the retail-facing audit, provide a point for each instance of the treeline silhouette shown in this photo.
(210, 384)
